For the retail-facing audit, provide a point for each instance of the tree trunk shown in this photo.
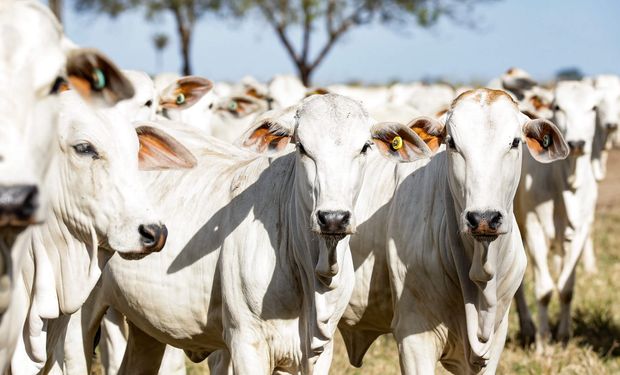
(56, 7)
(305, 72)
(185, 51)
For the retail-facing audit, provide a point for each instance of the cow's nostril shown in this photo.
(473, 219)
(612, 126)
(30, 203)
(495, 219)
(153, 236)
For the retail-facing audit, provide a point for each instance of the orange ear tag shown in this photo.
(397, 143)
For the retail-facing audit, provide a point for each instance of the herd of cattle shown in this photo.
(252, 220)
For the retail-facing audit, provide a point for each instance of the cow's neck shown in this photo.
(481, 268)
(573, 172)
(324, 268)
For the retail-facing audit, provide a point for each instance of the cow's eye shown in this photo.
(594, 108)
(148, 103)
(515, 143)
(556, 108)
(86, 149)
(301, 149)
(366, 147)
(451, 144)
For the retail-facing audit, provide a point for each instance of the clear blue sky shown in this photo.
(540, 36)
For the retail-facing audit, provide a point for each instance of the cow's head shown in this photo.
(36, 63)
(574, 111)
(332, 136)
(98, 187)
(483, 132)
(608, 108)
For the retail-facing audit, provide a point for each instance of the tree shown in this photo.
(185, 12)
(160, 41)
(56, 7)
(569, 74)
(336, 17)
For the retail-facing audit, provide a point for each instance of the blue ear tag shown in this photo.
(232, 106)
(397, 143)
(546, 141)
(98, 79)
(180, 98)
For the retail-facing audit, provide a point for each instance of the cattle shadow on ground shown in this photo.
(596, 327)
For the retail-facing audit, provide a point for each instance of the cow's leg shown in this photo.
(566, 298)
(566, 281)
(173, 362)
(589, 258)
(249, 355)
(143, 354)
(538, 251)
(526, 323)
(323, 363)
(417, 346)
(219, 363)
(113, 340)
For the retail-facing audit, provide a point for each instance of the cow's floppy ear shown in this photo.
(185, 92)
(544, 140)
(96, 78)
(159, 151)
(397, 142)
(267, 136)
(431, 131)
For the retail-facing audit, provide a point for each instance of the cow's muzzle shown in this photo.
(332, 223)
(484, 226)
(577, 148)
(18, 205)
(153, 237)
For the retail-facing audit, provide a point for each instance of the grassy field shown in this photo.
(595, 347)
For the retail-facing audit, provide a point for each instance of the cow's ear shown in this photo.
(267, 136)
(544, 140)
(398, 142)
(160, 151)
(240, 106)
(431, 131)
(185, 92)
(96, 78)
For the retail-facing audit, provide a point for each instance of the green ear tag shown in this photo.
(232, 106)
(180, 98)
(397, 143)
(546, 141)
(98, 79)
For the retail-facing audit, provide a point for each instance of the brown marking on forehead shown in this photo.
(538, 103)
(484, 95)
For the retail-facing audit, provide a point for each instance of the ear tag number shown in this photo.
(98, 79)
(180, 98)
(397, 143)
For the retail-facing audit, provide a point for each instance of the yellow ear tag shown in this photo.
(397, 143)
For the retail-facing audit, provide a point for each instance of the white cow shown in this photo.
(34, 61)
(97, 206)
(555, 208)
(442, 235)
(286, 90)
(265, 239)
